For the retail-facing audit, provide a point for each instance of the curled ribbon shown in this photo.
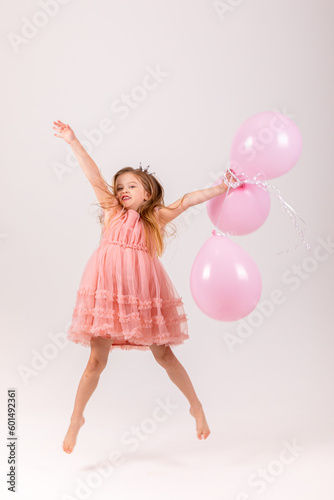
(242, 178)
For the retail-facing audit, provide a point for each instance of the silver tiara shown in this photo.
(145, 169)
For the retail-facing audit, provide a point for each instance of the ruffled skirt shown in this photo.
(127, 296)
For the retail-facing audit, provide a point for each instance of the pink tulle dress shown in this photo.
(125, 294)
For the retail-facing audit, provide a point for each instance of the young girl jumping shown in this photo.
(125, 298)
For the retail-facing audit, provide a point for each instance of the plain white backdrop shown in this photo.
(269, 400)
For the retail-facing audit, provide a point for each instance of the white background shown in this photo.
(221, 66)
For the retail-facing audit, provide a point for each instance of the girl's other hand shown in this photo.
(232, 180)
(64, 131)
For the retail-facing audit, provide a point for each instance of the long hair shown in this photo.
(155, 235)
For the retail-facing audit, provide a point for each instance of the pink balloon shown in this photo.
(225, 281)
(242, 211)
(267, 142)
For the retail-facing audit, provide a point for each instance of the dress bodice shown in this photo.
(125, 229)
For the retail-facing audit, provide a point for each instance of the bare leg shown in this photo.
(176, 372)
(97, 362)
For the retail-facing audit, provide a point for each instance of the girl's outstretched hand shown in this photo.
(64, 131)
(232, 180)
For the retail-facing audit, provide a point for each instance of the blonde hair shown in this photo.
(155, 235)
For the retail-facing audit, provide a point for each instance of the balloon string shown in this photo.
(229, 183)
(242, 178)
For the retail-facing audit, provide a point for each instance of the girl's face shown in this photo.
(130, 191)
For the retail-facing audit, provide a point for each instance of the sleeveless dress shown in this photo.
(125, 294)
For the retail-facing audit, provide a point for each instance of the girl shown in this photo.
(126, 299)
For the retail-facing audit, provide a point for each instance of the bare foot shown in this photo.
(202, 427)
(71, 436)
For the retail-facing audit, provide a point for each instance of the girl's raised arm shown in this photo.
(165, 214)
(89, 167)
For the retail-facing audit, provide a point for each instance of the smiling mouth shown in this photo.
(126, 198)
